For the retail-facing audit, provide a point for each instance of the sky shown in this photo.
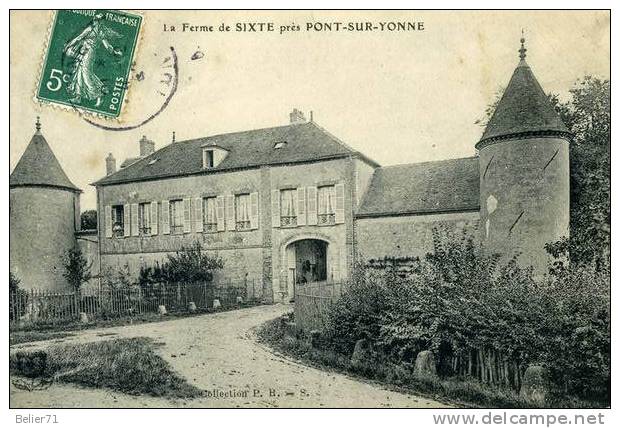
(397, 97)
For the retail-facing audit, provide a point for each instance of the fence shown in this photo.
(488, 365)
(312, 303)
(27, 308)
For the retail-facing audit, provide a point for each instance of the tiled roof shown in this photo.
(39, 167)
(523, 108)
(129, 161)
(439, 186)
(304, 142)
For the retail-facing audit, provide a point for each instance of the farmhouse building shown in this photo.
(294, 204)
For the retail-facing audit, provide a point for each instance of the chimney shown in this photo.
(297, 116)
(146, 146)
(110, 165)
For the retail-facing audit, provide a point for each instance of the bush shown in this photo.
(483, 318)
(578, 348)
(461, 389)
(88, 220)
(76, 268)
(356, 314)
(188, 265)
(191, 264)
(29, 364)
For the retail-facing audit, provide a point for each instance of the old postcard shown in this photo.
(309, 209)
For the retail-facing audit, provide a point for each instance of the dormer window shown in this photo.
(208, 158)
(279, 145)
(212, 156)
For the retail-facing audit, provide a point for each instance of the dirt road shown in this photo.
(219, 353)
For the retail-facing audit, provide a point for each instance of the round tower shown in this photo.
(44, 214)
(524, 173)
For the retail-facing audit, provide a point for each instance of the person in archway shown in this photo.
(306, 270)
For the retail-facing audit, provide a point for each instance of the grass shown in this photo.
(17, 337)
(463, 392)
(130, 366)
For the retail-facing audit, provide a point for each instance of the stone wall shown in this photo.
(524, 197)
(88, 242)
(192, 187)
(256, 254)
(42, 228)
(407, 236)
(241, 251)
(304, 175)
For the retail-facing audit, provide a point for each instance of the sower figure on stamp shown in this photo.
(84, 83)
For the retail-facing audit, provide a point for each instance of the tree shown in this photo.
(191, 264)
(118, 278)
(490, 108)
(188, 265)
(88, 220)
(588, 115)
(13, 282)
(77, 269)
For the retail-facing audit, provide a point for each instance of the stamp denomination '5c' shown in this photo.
(89, 59)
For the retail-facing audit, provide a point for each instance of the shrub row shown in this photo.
(484, 318)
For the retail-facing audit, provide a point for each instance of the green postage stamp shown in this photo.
(88, 60)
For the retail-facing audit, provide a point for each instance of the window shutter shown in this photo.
(254, 210)
(134, 220)
(312, 214)
(126, 220)
(230, 212)
(301, 206)
(154, 218)
(339, 203)
(275, 208)
(198, 220)
(221, 225)
(165, 217)
(187, 215)
(108, 221)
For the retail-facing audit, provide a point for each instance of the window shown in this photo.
(118, 221)
(288, 205)
(209, 214)
(207, 158)
(176, 216)
(279, 144)
(144, 218)
(242, 211)
(326, 211)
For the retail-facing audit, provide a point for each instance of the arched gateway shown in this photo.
(306, 260)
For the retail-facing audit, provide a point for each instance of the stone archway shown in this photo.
(305, 260)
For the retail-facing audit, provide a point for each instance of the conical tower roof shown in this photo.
(524, 109)
(39, 167)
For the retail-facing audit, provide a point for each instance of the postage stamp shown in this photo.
(88, 60)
